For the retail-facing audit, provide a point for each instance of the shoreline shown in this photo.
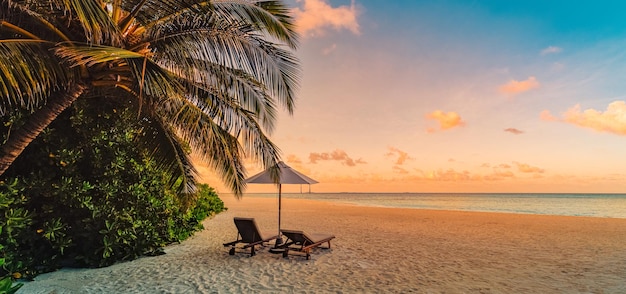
(613, 215)
(376, 250)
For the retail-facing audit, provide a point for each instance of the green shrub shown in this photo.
(88, 196)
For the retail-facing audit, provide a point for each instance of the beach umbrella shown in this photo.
(286, 175)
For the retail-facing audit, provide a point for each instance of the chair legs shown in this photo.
(233, 249)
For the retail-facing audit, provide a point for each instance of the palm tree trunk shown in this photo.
(36, 123)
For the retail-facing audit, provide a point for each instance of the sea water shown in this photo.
(592, 205)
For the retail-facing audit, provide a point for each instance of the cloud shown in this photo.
(447, 175)
(551, 50)
(330, 49)
(514, 131)
(402, 156)
(337, 155)
(446, 121)
(514, 87)
(291, 158)
(316, 17)
(498, 176)
(399, 170)
(612, 120)
(525, 168)
(547, 116)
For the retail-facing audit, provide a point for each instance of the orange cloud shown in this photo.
(317, 16)
(514, 87)
(337, 155)
(514, 131)
(291, 158)
(525, 168)
(399, 170)
(446, 120)
(499, 175)
(613, 120)
(547, 116)
(448, 175)
(402, 156)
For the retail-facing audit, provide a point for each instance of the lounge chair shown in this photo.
(302, 242)
(249, 234)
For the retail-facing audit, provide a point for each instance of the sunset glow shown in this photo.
(447, 96)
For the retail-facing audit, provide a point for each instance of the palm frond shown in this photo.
(148, 11)
(233, 85)
(231, 118)
(98, 25)
(27, 77)
(169, 154)
(31, 18)
(148, 78)
(271, 17)
(77, 55)
(216, 146)
(233, 46)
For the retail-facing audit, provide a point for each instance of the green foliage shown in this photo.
(6, 283)
(207, 204)
(6, 286)
(215, 73)
(86, 195)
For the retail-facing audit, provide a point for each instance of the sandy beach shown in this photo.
(376, 250)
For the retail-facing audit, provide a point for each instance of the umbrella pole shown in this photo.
(279, 241)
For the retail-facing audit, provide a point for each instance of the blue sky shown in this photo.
(459, 96)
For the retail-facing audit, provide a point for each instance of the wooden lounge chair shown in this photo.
(249, 234)
(302, 242)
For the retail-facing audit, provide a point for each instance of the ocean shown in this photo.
(590, 205)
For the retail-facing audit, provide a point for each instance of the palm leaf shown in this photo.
(235, 85)
(77, 55)
(267, 16)
(96, 22)
(231, 118)
(27, 77)
(236, 47)
(36, 18)
(147, 11)
(169, 154)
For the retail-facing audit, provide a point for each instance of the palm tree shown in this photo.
(210, 73)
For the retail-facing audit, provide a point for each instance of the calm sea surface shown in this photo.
(593, 205)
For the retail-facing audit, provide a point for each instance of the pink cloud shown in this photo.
(515, 87)
(446, 121)
(318, 16)
(514, 131)
(337, 155)
(612, 120)
(401, 155)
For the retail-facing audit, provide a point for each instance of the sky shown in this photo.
(456, 96)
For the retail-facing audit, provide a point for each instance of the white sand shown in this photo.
(377, 250)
